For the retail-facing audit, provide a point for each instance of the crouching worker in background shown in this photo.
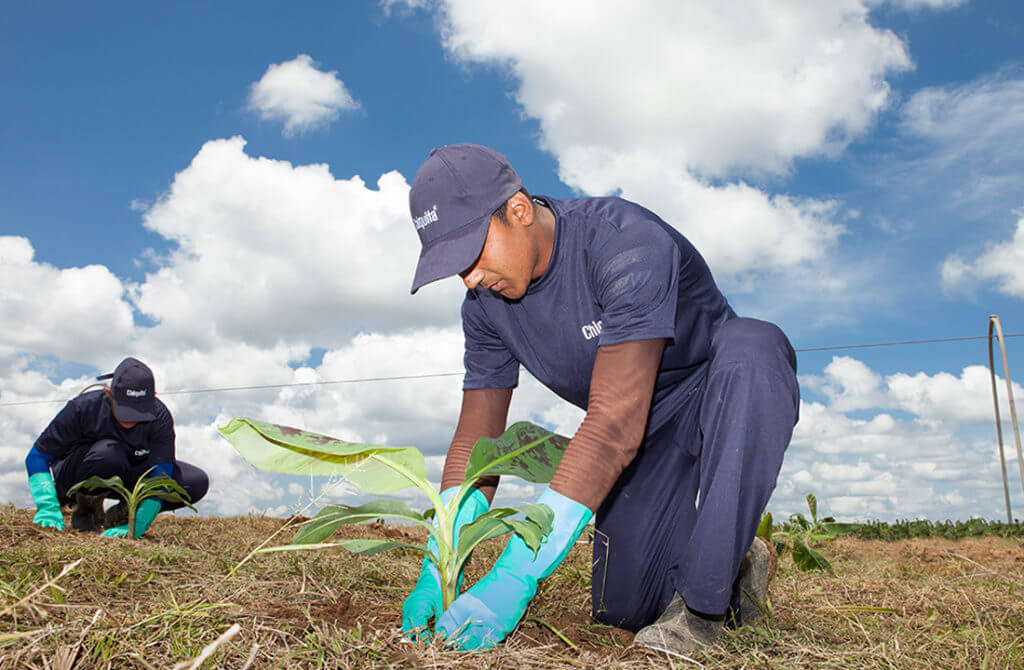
(119, 431)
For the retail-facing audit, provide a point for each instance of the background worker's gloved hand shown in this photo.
(425, 601)
(482, 616)
(144, 516)
(44, 493)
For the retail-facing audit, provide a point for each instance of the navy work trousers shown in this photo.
(109, 458)
(684, 513)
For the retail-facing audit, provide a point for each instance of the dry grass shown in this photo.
(159, 602)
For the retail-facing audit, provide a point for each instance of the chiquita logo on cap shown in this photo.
(428, 217)
(132, 393)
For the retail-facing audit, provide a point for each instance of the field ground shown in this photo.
(158, 602)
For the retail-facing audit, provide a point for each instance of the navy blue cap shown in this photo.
(451, 201)
(133, 391)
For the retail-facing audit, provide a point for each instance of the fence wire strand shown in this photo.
(262, 387)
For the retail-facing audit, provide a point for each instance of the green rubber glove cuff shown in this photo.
(144, 516)
(44, 494)
(42, 488)
(518, 560)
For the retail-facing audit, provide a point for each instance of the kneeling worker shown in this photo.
(123, 430)
(689, 408)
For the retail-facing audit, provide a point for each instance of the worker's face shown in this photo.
(124, 424)
(507, 263)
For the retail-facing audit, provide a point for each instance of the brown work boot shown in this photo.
(87, 517)
(679, 631)
(756, 572)
(117, 515)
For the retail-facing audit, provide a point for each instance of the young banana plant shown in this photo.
(802, 533)
(161, 486)
(524, 450)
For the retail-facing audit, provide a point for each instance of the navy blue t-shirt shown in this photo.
(618, 273)
(89, 418)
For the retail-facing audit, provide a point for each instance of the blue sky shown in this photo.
(219, 189)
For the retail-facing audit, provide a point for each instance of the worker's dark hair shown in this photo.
(500, 212)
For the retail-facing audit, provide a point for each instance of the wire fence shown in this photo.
(262, 387)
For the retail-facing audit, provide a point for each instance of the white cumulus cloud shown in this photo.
(666, 102)
(300, 95)
(267, 251)
(1002, 263)
(77, 313)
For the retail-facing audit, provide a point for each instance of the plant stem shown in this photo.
(445, 526)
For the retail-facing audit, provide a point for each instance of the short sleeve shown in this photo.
(62, 435)
(636, 282)
(488, 361)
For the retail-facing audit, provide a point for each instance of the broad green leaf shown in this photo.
(525, 450)
(370, 547)
(164, 488)
(372, 468)
(807, 558)
(532, 529)
(764, 529)
(480, 530)
(484, 527)
(812, 504)
(96, 482)
(531, 533)
(542, 515)
(799, 520)
(330, 518)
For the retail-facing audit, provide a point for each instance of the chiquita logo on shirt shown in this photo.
(591, 330)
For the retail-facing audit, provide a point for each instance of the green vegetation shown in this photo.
(952, 530)
(161, 486)
(799, 534)
(524, 450)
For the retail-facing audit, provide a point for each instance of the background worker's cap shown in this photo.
(451, 201)
(132, 391)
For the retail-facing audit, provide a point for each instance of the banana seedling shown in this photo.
(524, 450)
(161, 486)
(801, 533)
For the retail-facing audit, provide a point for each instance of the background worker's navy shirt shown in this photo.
(89, 418)
(618, 273)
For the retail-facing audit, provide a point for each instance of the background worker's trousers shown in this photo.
(109, 458)
(655, 535)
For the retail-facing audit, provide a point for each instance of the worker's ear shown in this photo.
(519, 209)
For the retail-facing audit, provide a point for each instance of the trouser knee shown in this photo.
(194, 480)
(743, 340)
(105, 458)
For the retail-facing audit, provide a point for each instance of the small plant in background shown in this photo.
(524, 450)
(161, 486)
(799, 534)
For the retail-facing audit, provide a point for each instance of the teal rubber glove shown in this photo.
(482, 616)
(144, 516)
(425, 601)
(44, 493)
